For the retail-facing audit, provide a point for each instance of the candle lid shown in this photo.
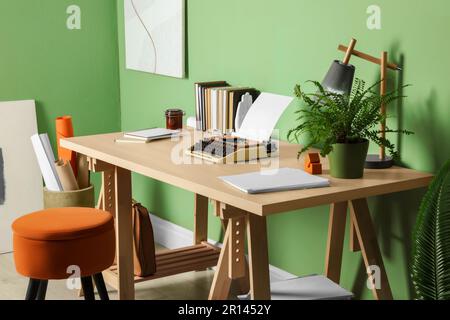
(174, 112)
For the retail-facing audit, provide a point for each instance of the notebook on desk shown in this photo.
(151, 134)
(282, 179)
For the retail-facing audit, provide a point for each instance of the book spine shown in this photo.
(197, 106)
(219, 109)
(230, 110)
(214, 108)
(225, 111)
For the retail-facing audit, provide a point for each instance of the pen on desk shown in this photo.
(130, 141)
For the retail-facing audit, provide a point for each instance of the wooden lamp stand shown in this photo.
(381, 160)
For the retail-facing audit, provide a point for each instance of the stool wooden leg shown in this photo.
(101, 287)
(88, 288)
(33, 287)
(42, 290)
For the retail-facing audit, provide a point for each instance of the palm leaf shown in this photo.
(431, 241)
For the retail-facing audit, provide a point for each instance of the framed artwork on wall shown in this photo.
(20, 176)
(155, 36)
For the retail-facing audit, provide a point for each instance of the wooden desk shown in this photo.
(241, 213)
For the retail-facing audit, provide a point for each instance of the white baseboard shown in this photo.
(173, 236)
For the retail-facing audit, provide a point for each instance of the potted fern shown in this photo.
(342, 125)
(431, 241)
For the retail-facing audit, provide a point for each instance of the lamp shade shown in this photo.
(339, 78)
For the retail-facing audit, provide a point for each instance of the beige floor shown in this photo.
(191, 285)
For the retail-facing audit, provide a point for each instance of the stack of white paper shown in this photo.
(151, 134)
(275, 180)
(46, 160)
(314, 287)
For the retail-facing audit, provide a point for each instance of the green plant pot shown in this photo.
(347, 160)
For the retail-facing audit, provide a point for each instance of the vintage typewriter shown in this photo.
(229, 149)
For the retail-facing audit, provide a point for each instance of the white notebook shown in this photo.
(151, 134)
(282, 179)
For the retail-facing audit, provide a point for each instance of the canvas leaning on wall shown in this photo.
(20, 177)
(155, 36)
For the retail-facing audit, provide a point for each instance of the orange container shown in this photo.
(64, 129)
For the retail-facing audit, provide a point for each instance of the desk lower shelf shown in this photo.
(172, 262)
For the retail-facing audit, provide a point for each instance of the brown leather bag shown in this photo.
(144, 242)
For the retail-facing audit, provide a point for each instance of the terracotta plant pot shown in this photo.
(347, 160)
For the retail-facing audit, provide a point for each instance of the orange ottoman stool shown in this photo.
(51, 243)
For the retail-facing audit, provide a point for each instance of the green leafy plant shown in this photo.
(431, 241)
(331, 118)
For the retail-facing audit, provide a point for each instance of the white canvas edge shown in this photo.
(183, 22)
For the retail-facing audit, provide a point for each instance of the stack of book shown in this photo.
(148, 135)
(217, 103)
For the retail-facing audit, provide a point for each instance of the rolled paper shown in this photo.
(65, 173)
(64, 129)
(83, 171)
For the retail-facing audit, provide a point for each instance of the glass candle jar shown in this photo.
(174, 119)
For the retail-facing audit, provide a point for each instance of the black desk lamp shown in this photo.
(339, 79)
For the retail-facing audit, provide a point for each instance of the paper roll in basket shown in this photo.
(66, 176)
(83, 177)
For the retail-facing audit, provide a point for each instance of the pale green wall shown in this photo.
(66, 72)
(272, 45)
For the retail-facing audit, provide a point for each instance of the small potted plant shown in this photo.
(342, 125)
